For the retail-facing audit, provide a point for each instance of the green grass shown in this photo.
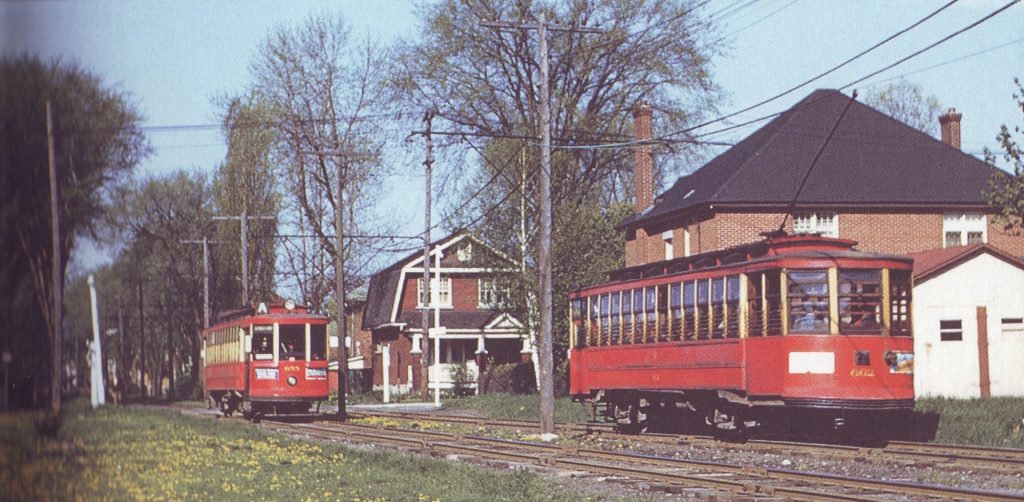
(990, 422)
(519, 407)
(153, 454)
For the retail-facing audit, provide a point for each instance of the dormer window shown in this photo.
(825, 223)
(465, 253)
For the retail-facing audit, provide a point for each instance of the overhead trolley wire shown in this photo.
(854, 82)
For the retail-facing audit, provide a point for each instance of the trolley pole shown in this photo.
(545, 344)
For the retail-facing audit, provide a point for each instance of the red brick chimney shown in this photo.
(949, 122)
(643, 155)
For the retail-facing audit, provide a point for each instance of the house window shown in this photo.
(667, 237)
(1013, 325)
(490, 294)
(951, 330)
(441, 296)
(465, 253)
(816, 222)
(961, 229)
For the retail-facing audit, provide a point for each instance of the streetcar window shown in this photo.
(616, 302)
(755, 310)
(263, 342)
(718, 307)
(293, 341)
(576, 311)
(773, 302)
(899, 298)
(650, 300)
(860, 301)
(702, 307)
(605, 326)
(732, 307)
(594, 325)
(662, 322)
(689, 311)
(627, 316)
(808, 301)
(638, 315)
(317, 342)
(675, 298)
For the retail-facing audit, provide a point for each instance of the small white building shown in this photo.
(968, 306)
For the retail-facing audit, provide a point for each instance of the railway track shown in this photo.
(920, 454)
(669, 473)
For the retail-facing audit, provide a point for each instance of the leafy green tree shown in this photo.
(487, 81)
(907, 103)
(156, 214)
(245, 183)
(97, 141)
(1006, 192)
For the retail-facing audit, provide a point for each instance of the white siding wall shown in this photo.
(951, 368)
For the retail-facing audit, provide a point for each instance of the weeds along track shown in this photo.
(658, 472)
(919, 454)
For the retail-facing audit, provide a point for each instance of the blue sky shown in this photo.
(176, 58)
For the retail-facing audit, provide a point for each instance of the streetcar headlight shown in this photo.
(292, 380)
(267, 373)
(316, 373)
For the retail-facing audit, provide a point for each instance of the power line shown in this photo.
(948, 61)
(850, 84)
(816, 77)
(757, 22)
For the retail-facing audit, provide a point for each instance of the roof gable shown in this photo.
(932, 263)
(871, 160)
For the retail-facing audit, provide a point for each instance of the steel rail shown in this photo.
(752, 478)
(1000, 458)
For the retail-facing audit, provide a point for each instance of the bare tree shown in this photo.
(907, 103)
(325, 93)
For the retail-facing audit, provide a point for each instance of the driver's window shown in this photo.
(263, 343)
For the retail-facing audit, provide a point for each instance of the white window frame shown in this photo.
(439, 296)
(825, 223)
(964, 224)
(667, 237)
(489, 293)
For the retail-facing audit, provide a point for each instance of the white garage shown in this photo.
(968, 322)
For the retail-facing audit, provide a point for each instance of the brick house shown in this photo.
(877, 181)
(466, 324)
(359, 346)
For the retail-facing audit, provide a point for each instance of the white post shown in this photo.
(96, 352)
(437, 370)
(386, 363)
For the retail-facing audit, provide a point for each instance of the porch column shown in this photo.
(481, 360)
(415, 364)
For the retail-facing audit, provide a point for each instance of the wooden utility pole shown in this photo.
(244, 219)
(425, 340)
(545, 355)
(56, 339)
(206, 275)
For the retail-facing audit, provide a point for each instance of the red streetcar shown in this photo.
(801, 327)
(266, 360)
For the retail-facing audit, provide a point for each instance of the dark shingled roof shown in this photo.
(872, 160)
(380, 297)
